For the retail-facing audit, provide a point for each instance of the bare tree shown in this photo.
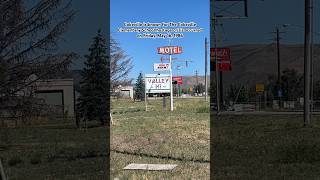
(29, 36)
(120, 65)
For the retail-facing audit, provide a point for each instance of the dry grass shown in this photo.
(180, 137)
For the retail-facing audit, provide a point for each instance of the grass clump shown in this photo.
(13, 161)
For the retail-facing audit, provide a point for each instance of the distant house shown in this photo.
(57, 92)
(125, 91)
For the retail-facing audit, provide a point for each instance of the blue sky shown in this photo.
(144, 51)
(263, 17)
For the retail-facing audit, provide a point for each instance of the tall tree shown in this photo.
(199, 88)
(120, 65)
(291, 84)
(29, 37)
(94, 100)
(140, 88)
(238, 93)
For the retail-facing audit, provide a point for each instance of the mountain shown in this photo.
(252, 63)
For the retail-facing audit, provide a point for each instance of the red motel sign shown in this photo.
(170, 50)
(223, 58)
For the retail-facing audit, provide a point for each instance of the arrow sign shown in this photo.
(161, 66)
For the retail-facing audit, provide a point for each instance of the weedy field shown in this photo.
(265, 147)
(54, 151)
(161, 137)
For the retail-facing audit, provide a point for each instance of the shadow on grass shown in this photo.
(161, 157)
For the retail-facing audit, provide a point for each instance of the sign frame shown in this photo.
(157, 83)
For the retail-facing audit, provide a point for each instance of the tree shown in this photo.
(29, 39)
(237, 93)
(291, 84)
(139, 88)
(199, 88)
(94, 88)
(120, 66)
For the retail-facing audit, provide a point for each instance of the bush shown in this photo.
(51, 157)
(203, 109)
(14, 161)
(35, 159)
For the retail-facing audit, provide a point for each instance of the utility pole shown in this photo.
(216, 64)
(197, 83)
(279, 71)
(311, 62)
(205, 68)
(171, 88)
(307, 60)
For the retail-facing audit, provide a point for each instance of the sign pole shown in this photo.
(145, 94)
(171, 89)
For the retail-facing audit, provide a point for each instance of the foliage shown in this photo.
(199, 88)
(291, 84)
(29, 37)
(238, 93)
(120, 65)
(13, 161)
(139, 88)
(94, 87)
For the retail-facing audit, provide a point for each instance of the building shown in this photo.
(58, 92)
(125, 91)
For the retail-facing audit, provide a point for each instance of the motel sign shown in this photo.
(170, 50)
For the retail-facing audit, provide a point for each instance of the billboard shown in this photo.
(157, 83)
(170, 50)
(223, 58)
(161, 66)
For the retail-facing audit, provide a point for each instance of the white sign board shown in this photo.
(157, 83)
(161, 66)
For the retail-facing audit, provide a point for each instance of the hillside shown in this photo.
(253, 63)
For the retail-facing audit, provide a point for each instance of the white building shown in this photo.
(57, 92)
(125, 91)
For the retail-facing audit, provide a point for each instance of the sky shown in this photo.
(90, 16)
(264, 16)
(144, 51)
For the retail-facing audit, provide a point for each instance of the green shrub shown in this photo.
(203, 109)
(14, 161)
(35, 159)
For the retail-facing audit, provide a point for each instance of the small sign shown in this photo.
(161, 66)
(259, 87)
(170, 50)
(178, 79)
(223, 58)
(157, 83)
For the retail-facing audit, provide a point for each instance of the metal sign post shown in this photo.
(171, 88)
(169, 50)
(145, 94)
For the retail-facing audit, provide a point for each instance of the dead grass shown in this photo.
(156, 136)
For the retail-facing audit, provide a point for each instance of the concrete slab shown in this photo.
(150, 167)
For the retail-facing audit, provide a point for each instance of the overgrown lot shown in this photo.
(51, 151)
(180, 137)
(265, 147)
